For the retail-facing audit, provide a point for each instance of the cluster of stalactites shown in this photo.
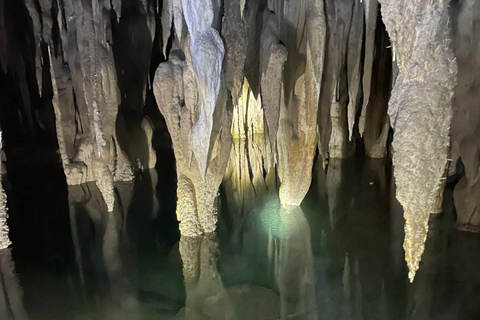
(420, 111)
(85, 91)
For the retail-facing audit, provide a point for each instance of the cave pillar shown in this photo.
(419, 110)
(191, 95)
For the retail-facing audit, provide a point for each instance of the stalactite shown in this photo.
(466, 116)
(272, 58)
(290, 85)
(371, 13)
(294, 273)
(354, 64)
(37, 35)
(420, 111)
(337, 109)
(235, 38)
(85, 93)
(167, 19)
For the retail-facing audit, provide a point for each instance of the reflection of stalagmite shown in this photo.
(11, 294)
(466, 116)
(293, 262)
(291, 63)
(420, 110)
(191, 96)
(206, 296)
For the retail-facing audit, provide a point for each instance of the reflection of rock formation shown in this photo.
(87, 208)
(420, 110)
(11, 294)
(291, 65)
(291, 255)
(250, 173)
(466, 117)
(206, 297)
(192, 97)
(423, 292)
(359, 280)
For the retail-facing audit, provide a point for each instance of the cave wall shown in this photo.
(315, 79)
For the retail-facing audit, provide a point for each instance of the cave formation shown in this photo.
(250, 94)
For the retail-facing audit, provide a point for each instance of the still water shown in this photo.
(339, 256)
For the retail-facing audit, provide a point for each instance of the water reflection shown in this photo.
(98, 237)
(339, 256)
(11, 294)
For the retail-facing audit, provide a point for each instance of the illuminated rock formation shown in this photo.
(191, 95)
(250, 173)
(85, 95)
(466, 115)
(87, 209)
(420, 106)
(291, 64)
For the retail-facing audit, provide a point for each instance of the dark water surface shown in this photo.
(339, 256)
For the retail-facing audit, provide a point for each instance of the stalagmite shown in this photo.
(4, 238)
(466, 115)
(419, 110)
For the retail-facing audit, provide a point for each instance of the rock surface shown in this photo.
(420, 106)
(466, 113)
(192, 97)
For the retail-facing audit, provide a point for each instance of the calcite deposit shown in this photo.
(466, 113)
(96, 86)
(192, 97)
(420, 111)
